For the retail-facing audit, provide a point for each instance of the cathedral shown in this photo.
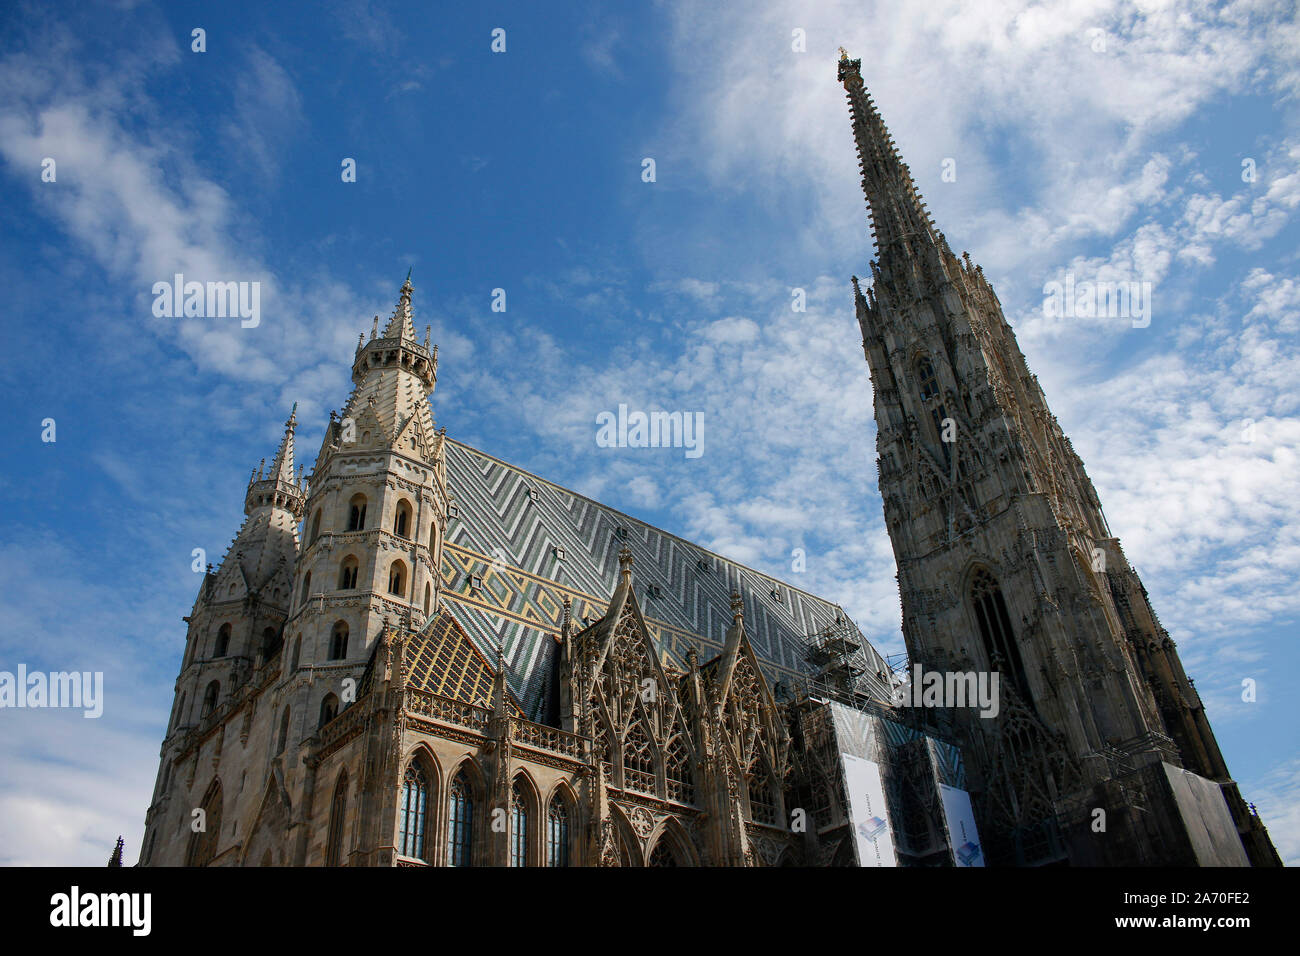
(421, 655)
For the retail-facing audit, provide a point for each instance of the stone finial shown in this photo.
(625, 563)
(428, 330)
(374, 329)
(737, 607)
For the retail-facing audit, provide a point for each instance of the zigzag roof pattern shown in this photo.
(517, 545)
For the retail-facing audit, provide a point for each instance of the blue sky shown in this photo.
(522, 170)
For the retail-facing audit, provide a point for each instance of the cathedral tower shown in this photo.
(233, 638)
(1006, 564)
(374, 520)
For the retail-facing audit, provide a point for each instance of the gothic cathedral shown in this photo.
(458, 663)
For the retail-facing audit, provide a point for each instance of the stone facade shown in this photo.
(454, 666)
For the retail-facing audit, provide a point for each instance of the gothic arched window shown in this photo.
(402, 520)
(329, 709)
(223, 641)
(460, 822)
(638, 761)
(357, 513)
(210, 699)
(348, 571)
(339, 641)
(315, 527)
(306, 588)
(762, 804)
(297, 651)
(270, 643)
(428, 597)
(397, 579)
(338, 815)
(519, 834)
(557, 833)
(415, 801)
(681, 785)
(927, 385)
(995, 627)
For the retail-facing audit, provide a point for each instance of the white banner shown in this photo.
(868, 813)
(960, 821)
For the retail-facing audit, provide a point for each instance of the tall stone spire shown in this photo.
(897, 212)
(1006, 564)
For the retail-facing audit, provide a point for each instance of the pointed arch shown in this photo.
(639, 759)
(403, 519)
(272, 821)
(397, 579)
(678, 772)
(670, 845)
(525, 811)
(418, 820)
(339, 641)
(210, 695)
(202, 849)
(465, 807)
(627, 843)
(334, 849)
(223, 641)
(329, 709)
(357, 512)
(993, 623)
(561, 826)
(349, 568)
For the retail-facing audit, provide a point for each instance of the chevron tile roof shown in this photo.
(517, 544)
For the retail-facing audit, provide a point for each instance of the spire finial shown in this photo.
(625, 563)
(737, 607)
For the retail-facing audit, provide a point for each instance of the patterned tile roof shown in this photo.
(444, 661)
(517, 544)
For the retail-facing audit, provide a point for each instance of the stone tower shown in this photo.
(234, 635)
(1006, 564)
(281, 633)
(374, 522)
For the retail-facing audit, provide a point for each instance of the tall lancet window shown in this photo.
(518, 826)
(557, 833)
(415, 801)
(460, 822)
(338, 815)
(995, 628)
(927, 389)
